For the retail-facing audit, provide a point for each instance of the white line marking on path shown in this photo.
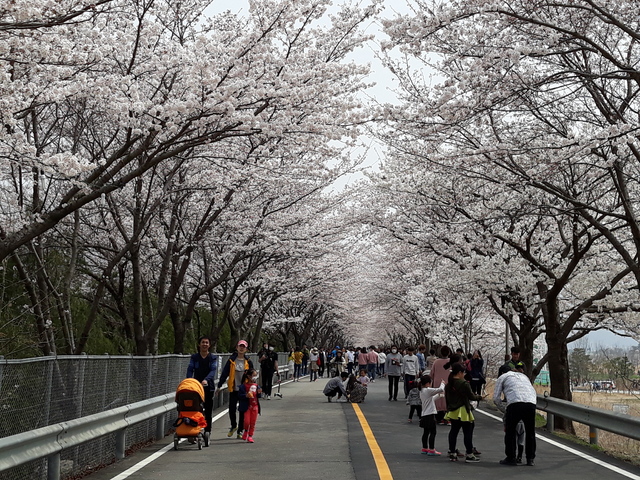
(574, 451)
(143, 463)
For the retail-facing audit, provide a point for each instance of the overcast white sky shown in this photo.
(384, 81)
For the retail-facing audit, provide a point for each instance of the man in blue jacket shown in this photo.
(203, 366)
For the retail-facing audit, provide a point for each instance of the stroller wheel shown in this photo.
(175, 443)
(199, 443)
(206, 438)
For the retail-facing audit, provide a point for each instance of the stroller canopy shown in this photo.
(190, 385)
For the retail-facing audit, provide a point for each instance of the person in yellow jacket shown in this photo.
(297, 364)
(232, 373)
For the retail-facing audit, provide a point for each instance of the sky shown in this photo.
(384, 81)
(604, 338)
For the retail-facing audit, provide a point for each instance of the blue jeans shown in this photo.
(371, 368)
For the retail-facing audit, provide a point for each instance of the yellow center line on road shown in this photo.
(381, 463)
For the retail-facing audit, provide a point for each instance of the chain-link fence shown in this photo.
(44, 391)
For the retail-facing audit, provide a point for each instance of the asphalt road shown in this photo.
(301, 436)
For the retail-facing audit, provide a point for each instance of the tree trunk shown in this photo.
(559, 377)
(178, 329)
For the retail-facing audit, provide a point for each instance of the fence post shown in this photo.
(160, 420)
(550, 425)
(53, 466)
(120, 443)
(593, 435)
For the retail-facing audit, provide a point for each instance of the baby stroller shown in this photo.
(191, 421)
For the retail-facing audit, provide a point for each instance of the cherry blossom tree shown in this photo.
(158, 135)
(538, 99)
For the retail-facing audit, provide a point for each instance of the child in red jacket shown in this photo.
(248, 395)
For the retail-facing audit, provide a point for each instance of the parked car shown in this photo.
(606, 385)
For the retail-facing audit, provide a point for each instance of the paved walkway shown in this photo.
(301, 436)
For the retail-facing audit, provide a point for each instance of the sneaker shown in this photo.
(250, 439)
(245, 435)
(409, 421)
(530, 463)
(373, 381)
(476, 452)
(329, 399)
(508, 461)
(239, 435)
(519, 460)
(389, 398)
(433, 453)
(453, 457)
(231, 431)
(425, 451)
(471, 458)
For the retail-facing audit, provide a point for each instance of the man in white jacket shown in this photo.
(410, 368)
(521, 399)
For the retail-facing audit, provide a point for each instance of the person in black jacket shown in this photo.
(203, 366)
(268, 359)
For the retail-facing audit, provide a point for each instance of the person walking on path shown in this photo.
(350, 359)
(428, 418)
(314, 355)
(268, 359)
(232, 373)
(476, 365)
(322, 356)
(335, 386)
(458, 395)
(372, 363)
(521, 399)
(410, 368)
(422, 362)
(430, 360)
(203, 366)
(290, 364)
(439, 374)
(339, 363)
(297, 364)
(413, 400)
(394, 370)
(362, 359)
(248, 395)
(305, 360)
(382, 361)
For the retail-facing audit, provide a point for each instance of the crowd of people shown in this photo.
(440, 388)
(444, 388)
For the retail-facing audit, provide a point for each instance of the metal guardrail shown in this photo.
(595, 418)
(48, 442)
(51, 440)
